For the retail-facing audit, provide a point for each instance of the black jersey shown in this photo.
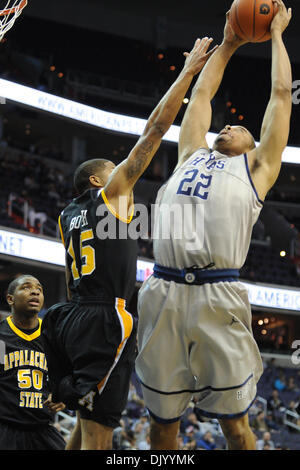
(23, 376)
(101, 254)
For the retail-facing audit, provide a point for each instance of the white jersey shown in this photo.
(205, 213)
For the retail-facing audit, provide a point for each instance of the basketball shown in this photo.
(251, 19)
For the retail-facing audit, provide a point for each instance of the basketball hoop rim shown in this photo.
(16, 9)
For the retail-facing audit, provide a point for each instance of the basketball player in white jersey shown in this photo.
(195, 338)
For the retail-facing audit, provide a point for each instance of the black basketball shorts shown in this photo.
(36, 438)
(90, 349)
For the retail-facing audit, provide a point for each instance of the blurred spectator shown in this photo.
(293, 407)
(135, 403)
(259, 423)
(141, 427)
(143, 444)
(255, 408)
(266, 440)
(280, 382)
(34, 216)
(269, 367)
(192, 445)
(117, 434)
(30, 184)
(189, 434)
(275, 404)
(267, 447)
(191, 421)
(271, 423)
(180, 441)
(291, 385)
(207, 442)
(208, 424)
(52, 193)
(128, 441)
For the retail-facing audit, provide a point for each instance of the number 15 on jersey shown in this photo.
(85, 265)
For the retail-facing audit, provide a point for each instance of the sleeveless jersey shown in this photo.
(23, 376)
(205, 213)
(100, 253)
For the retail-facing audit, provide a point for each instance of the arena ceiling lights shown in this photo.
(97, 117)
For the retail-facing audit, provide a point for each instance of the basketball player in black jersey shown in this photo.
(24, 418)
(90, 340)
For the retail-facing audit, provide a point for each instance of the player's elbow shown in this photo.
(282, 90)
(201, 92)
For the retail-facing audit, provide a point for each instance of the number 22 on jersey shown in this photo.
(86, 264)
(192, 187)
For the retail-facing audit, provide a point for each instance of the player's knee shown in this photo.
(237, 438)
(162, 431)
(236, 431)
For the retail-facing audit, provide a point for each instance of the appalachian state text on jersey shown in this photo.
(23, 376)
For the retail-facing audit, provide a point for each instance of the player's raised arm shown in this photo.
(197, 118)
(125, 175)
(265, 161)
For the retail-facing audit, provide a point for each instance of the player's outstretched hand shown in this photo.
(54, 407)
(197, 58)
(230, 37)
(282, 17)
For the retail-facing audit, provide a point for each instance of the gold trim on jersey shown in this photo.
(126, 322)
(23, 335)
(112, 210)
(60, 229)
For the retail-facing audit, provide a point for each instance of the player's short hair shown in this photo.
(252, 144)
(85, 170)
(14, 284)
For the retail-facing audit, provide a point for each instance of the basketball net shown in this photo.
(9, 14)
